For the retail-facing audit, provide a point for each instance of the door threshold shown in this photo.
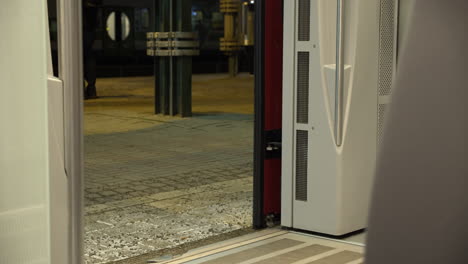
(223, 246)
(273, 246)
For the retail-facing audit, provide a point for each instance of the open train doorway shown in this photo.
(172, 100)
(171, 106)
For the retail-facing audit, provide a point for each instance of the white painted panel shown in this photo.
(330, 83)
(339, 179)
(58, 183)
(59, 197)
(288, 113)
(24, 164)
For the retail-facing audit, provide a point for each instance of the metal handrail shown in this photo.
(339, 86)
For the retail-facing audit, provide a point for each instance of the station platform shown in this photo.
(156, 183)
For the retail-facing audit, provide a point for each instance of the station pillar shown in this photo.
(173, 44)
(229, 44)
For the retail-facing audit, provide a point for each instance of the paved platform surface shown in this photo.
(171, 156)
(153, 182)
(126, 104)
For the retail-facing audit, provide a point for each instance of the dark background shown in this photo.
(129, 58)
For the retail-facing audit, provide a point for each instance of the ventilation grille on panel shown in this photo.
(302, 147)
(304, 20)
(303, 87)
(387, 46)
(387, 57)
(382, 110)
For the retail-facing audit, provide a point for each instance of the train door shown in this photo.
(268, 112)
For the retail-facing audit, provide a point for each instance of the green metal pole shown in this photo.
(233, 65)
(183, 64)
(162, 72)
(173, 75)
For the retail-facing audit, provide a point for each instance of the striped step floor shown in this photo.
(276, 247)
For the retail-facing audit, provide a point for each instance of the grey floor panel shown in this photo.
(343, 257)
(255, 252)
(286, 248)
(296, 255)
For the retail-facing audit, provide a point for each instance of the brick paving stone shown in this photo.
(92, 195)
(139, 187)
(123, 190)
(108, 193)
(172, 156)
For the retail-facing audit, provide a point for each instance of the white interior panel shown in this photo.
(339, 178)
(59, 197)
(24, 149)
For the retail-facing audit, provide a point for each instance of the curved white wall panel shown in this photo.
(338, 170)
(24, 159)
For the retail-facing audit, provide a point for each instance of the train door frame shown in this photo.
(268, 112)
(71, 72)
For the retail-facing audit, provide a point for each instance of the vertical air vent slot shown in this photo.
(387, 57)
(304, 20)
(302, 152)
(302, 87)
(387, 46)
(380, 129)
